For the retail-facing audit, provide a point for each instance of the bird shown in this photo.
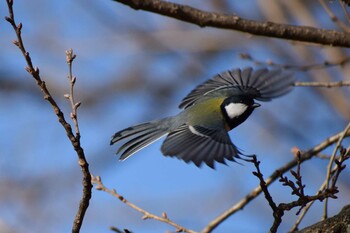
(199, 133)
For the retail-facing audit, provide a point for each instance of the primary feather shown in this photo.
(261, 84)
(198, 144)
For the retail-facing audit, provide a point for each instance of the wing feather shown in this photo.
(203, 146)
(262, 84)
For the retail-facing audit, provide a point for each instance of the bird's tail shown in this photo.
(140, 136)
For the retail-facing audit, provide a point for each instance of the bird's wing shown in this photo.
(262, 84)
(200, 145)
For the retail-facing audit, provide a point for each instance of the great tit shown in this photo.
(199, 133)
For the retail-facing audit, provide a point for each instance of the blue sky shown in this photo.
(132, 67)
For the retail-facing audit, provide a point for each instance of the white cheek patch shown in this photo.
(235, 109)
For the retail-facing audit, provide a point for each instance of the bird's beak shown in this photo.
(255, 105)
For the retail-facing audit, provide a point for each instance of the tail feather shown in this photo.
(139, 144)
(140, 136)
(130, 131)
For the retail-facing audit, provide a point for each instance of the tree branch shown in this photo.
(234, 22)
(325, 64)
(330, 165)
(338, 223)
(333, 16)
(275, 175)
(335, 173)
(75, 139)
(322, 84)
(297, 190)
(146, 215)
(263, 185)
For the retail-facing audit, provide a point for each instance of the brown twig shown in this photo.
(330, 165)
(146, 215)
(339, 166)
(263, 184)
(297, 186)
(323, 84)
(335, 174)
(322, 65)
(234, 22)
(75, 139)
(333, 17)
(297, 189)
(301, 216)
(275, 175)
(70, 56)
(345, 11)
(300, 202)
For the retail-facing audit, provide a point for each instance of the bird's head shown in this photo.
(236, 109)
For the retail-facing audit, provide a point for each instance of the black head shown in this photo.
(236, 109)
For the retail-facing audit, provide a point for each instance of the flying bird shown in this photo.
(199, 133)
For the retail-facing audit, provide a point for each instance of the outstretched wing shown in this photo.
(262, 84)
(200, 145)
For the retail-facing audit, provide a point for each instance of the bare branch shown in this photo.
(339, 165)
(322, 65)
(322, 84)
(300, 202)
(146, 215)
(263, 185)
(345, 11)
(75, 140)
(336, 171)
(338, 223)
(330, 164)
(234, 22)
(297, 189)
(275, 175)
(70, 56)
(333, 17)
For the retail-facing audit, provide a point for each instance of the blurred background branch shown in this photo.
(135, 66)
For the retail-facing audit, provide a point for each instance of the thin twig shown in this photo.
(322, 84)
(70, 56)
(75, 140)
(323, 156)
(345, 11)
(301, 216)
(297, 189)
(324, 64)
(300, 202)
(275, 175)
(234, 22)
(338, 167)
(330, 164)
(305, 68)
(146, 215)
(263, 185)
(333, 17)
